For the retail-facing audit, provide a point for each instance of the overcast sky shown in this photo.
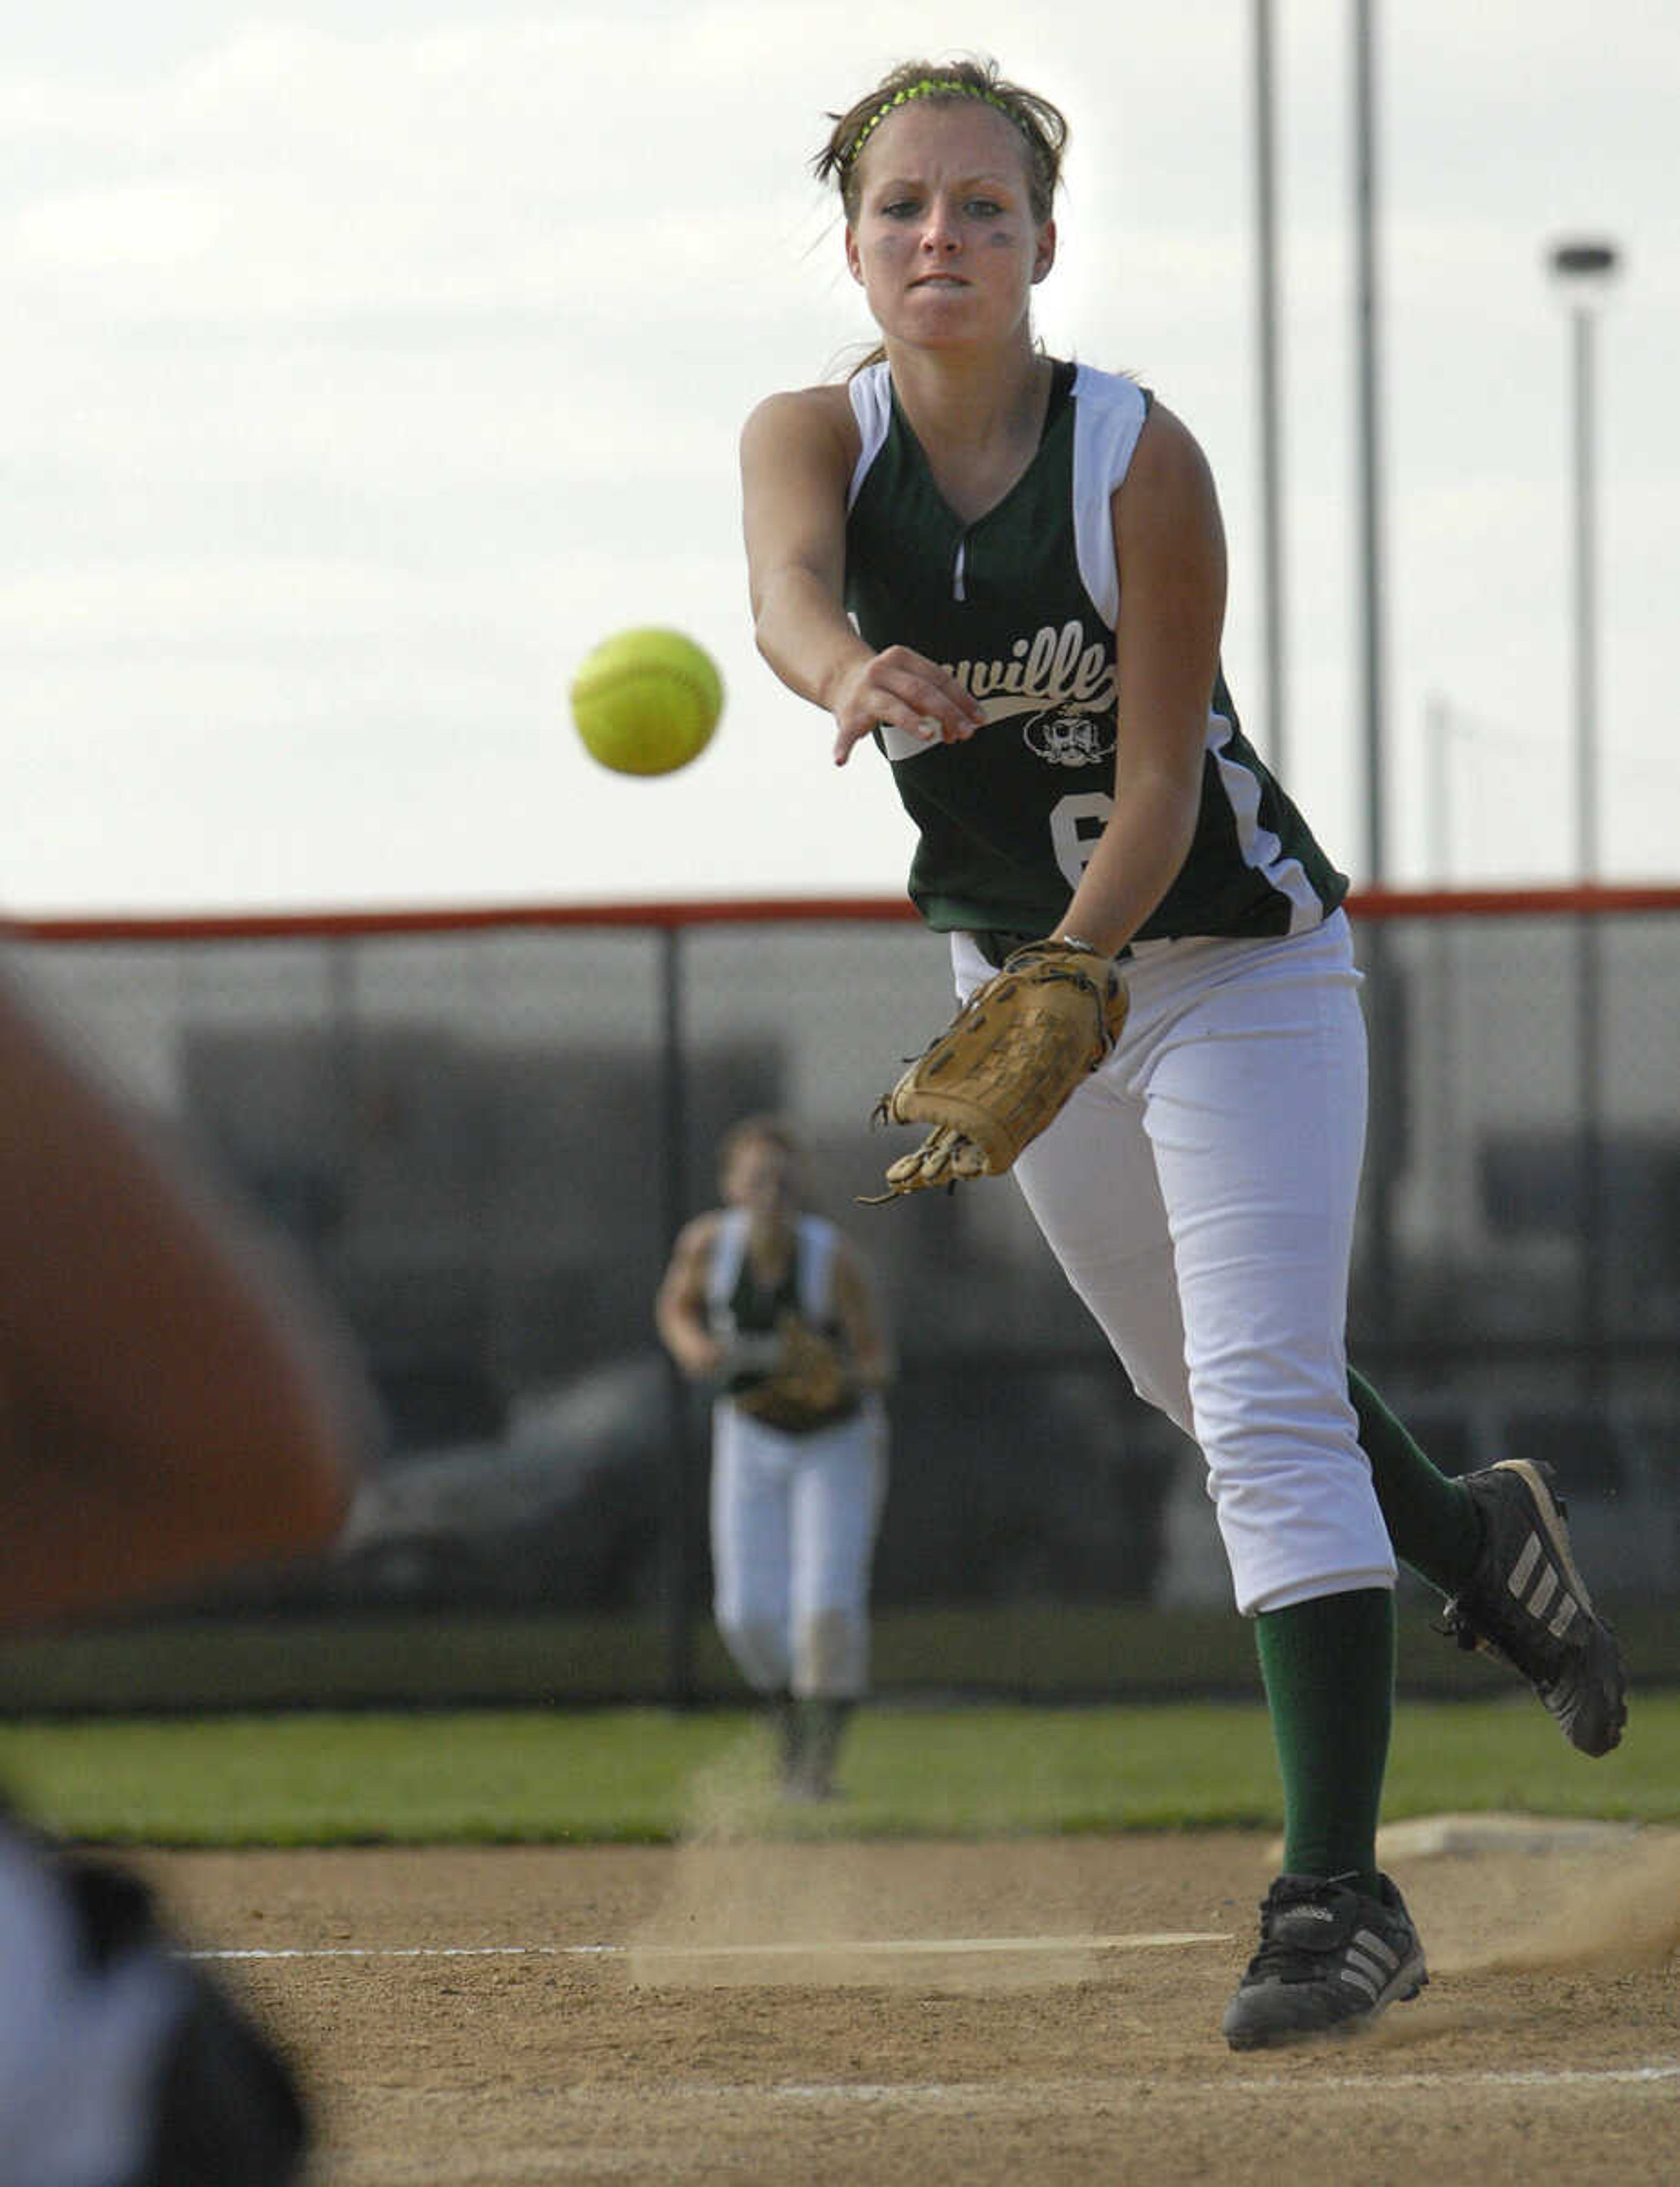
(368, 360)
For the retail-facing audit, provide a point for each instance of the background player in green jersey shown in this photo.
(799, 1458)
(1009, 573)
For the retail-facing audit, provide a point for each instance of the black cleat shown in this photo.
(1528, 1604)
(1330, 1959)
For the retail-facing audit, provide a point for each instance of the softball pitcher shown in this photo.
(772, 1305)
(1010, 571)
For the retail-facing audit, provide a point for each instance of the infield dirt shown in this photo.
(460, 2029)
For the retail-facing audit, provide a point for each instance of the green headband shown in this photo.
(929, 88)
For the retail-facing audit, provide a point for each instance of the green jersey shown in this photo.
(1021, 605)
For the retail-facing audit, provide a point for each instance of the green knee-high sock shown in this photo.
(1329, 1667)
(782, 1714)
(1430, 1519)
(823, 1723)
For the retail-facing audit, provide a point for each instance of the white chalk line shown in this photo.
(826, 1947)
(999, 2093)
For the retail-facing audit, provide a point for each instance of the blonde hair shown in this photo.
(1043, 127)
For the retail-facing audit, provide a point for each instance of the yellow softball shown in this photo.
(647, 701)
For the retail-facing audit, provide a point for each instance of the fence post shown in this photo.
(676, 1469)
(1595, 1376)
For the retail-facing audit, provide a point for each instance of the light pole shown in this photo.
(1582, 270)
(1271, 462)
(1368, 344)
(1385, 1138)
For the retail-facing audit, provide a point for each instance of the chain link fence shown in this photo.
(482, 1134)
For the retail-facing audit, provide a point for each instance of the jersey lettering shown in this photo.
(1053, 667)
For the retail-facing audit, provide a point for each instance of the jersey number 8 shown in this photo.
(1076, 826)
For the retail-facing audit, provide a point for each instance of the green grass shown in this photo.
(536, 1776)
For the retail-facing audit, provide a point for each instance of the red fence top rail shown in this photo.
(1602, 900)
(1618, 899)
(445, 919)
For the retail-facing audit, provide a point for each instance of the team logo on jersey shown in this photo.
(1067, 736)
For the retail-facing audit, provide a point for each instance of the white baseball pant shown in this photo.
(1200, 1192)
(794, 1520)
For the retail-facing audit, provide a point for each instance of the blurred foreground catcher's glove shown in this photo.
(131, 2063)
(1005, 1065)
(807, 1386)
